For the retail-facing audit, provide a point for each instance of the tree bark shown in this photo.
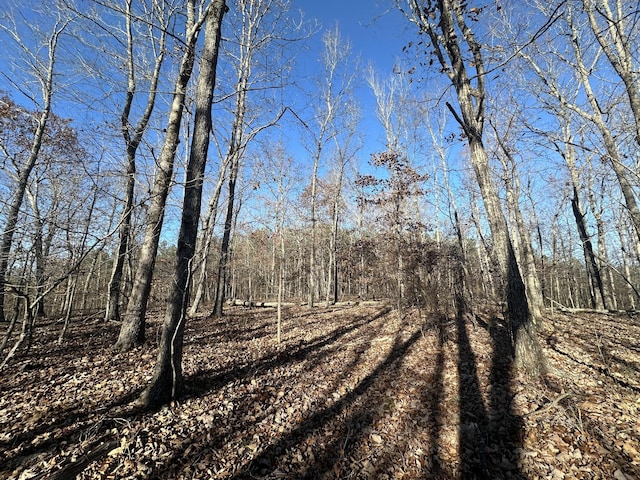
(252, 16)
(446, 41)
(167, 379)
(221, 281)
(132, 141)
(204, 243)
(615, 43)
(527, 260)
(612, 153)
(132, 331)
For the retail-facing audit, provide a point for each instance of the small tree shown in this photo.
(389, 195)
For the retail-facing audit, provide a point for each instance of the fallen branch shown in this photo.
(548, 407)
(73, 468)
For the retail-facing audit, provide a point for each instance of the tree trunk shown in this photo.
(312, 246)
(446, 42)
(204, 243)
(524, 245)
(38, 249)
(167, 379)
(132, 141)
(616, 45)
(132, 331)
(221, 281)
(234, 156)
(593, 270)
(613, 155)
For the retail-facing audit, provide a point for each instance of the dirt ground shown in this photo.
(352, 392)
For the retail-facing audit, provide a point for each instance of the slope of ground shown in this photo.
(352, 392)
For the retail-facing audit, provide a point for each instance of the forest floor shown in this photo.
(352, 392)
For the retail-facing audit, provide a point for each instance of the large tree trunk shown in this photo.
(132, 330)
(167, 379)
(521, 240)
(447, 35)
(527, 349)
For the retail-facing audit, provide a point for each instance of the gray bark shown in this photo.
(204, 243)
(613, 155)
(132, 140)
(524, 245)
(167, 379)
(471, 116)
(132, 331)
(614, 41)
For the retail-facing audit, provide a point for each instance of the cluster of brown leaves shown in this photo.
(351, 392)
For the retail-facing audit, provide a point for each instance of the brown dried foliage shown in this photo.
(352, 392)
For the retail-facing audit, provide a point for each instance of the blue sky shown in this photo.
(377, 32)
(376, 29)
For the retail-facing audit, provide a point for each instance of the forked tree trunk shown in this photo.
(132, 141)
(167, 379)
(521, 240)
(132, 331)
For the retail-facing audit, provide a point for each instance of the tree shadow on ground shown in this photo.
(355, 427)
(489, 435)
(205, 382)
(345, 436)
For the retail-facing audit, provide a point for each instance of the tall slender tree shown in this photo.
(132, 331)
(133, 135)
(335, 85)
(460, 57)
(167, 379)
(43, 71)
(261, 26)
(614, 25)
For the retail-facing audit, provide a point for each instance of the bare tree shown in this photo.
(457, 52)
(43, 71)
(521, 238)
(614, 25)
(335, 86)
(261, 26)
(345, 147)
(133, 135)
(167, 379)
(132, 331)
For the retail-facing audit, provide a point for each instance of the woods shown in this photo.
(190, 161)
